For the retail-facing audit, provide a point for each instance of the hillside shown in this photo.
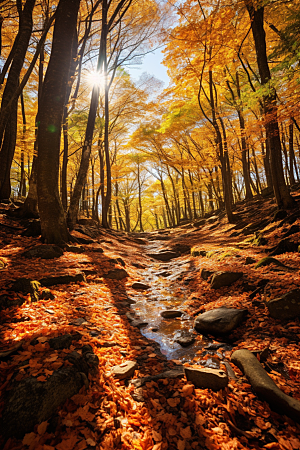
(62, 338)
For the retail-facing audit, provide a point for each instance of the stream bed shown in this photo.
(166, 292)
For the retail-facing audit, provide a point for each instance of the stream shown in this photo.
(165, 293)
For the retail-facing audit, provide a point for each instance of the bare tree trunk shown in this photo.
(53, 222)
(281, 192)
(8, 122)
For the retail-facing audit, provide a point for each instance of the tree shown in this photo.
(283, 198)
(53, 222)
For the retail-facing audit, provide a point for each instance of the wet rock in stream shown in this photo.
(164, 255)
(171, 314)
(206, 378)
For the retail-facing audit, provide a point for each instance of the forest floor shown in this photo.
(164, 413)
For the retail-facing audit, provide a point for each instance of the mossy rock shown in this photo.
(228, 254)
(267, 261)
(197, 252)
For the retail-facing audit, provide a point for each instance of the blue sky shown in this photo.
(152, 64)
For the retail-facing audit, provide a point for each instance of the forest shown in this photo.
(150, 233)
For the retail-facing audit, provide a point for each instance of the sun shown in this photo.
(95, 78)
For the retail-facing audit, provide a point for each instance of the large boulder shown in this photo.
(221, 279)
(43, 251)
(285, 307)
(219, 321)
(264, 386)
(206, 378)
(29, 402)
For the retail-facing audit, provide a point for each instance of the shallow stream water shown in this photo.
(166, 292)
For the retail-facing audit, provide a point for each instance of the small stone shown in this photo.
(285, 307)
(47, 295)
(205, 274)
(221, 279)
(185, 341)
(124, 370)
(138, 323)
(163, 256)
(137, 285)
(207, 378)
(117, 274)
(249, 260)
(171, 314)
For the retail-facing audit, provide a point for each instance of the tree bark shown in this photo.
(282, 195)
(8, 122)
(53, 222)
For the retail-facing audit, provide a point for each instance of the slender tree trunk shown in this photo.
(88, 141)
(291, 153)
(22, 187)
(281, 192)
(8, 116)
(53, 223)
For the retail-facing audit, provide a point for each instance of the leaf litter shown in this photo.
(174, 414)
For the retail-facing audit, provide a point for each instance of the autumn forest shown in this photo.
(150, 232)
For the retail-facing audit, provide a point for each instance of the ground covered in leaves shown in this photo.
(174, 415)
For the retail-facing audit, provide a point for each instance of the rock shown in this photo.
(264, 386)
(199, 223)
(168, 374)
(164, 256)
(171, 314)
(294, 229)
(205, 274)
(185, 341)
(249, 260)
(163, 274)
(279, 215)
(137, 285)
(198, 252)
(221, 279)
(74, 249)
(138, 323)
(124, 370)
(116, 274)
(181, 248)
(29, 402)
(2, 264)
(33, 229)
(96, 249)
(284, 246)
(47, 295)
(219, 321)
(43, 251)
(63, 279)
(64, 341)
(6, 302)
(27, 286)
(207, 378)
(285, 307)
(267, 261)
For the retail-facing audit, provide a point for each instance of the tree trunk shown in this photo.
(283, 198)
(53, 223)
(8, 116)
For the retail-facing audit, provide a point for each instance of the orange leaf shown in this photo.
(42, 427)
(29, 438)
